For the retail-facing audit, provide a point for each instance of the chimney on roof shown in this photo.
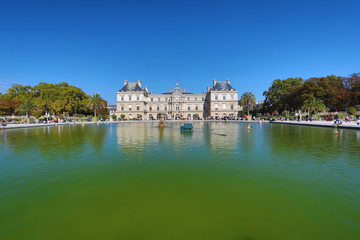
(125, 82)
(214, 82)
(139, 83)
(208, 88)
(184, 89)
(146, 89)
(228, 81)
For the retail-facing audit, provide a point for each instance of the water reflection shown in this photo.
(60, 141)
(221, 139)
(269, 173)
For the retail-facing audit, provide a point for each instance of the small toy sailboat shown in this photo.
(249, 127)
(186, 127)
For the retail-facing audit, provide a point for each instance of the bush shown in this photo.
(258, 115)
(351, 111)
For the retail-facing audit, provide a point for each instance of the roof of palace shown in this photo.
(222, 86)
(177, 90)
(132, 86)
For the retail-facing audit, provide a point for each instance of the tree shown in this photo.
(27, 106)
(278, 95)
(8, 106)
(96, 101)
(314, 105)
(122, 116)
(247, 99)
(352, 83)
(19, 93)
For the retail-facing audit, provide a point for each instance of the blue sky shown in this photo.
(96, 45)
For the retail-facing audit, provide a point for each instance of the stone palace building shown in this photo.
(134, 101)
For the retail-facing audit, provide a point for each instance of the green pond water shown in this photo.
(134, 181)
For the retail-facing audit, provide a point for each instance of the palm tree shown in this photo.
(27, 106)
(247, 99)
(314, 105)
(96, 101)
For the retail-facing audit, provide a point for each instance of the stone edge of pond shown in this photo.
(17, 126)
(351, 125)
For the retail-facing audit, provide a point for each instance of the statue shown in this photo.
(161, 124)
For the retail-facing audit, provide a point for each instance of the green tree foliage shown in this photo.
(337, 93)
(48, 97)
(247, 99)
(313, 105)
(19, 93)
(95, 102)
(60, 97)
(27, 106)
(280, 94)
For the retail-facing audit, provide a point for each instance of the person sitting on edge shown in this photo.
(358, 121)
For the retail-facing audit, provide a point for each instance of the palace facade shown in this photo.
(134, 101)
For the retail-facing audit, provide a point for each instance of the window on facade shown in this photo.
(150, 108)
(152, 99)
(177, 108)
(129, 107)
(232, 107)
(232, 97)
(216, 97)
(189, 108)
(224, 97)
(196, 107)
(137, 98)
(203, 99)
(129, 98)
(188, 99)
(224, 106)
(216, 106)
(159, 99)
(165, 108)
(122, 107)
(158, 108)
(195, 99)
(166, 99)
(122, 98)
(137, 107)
